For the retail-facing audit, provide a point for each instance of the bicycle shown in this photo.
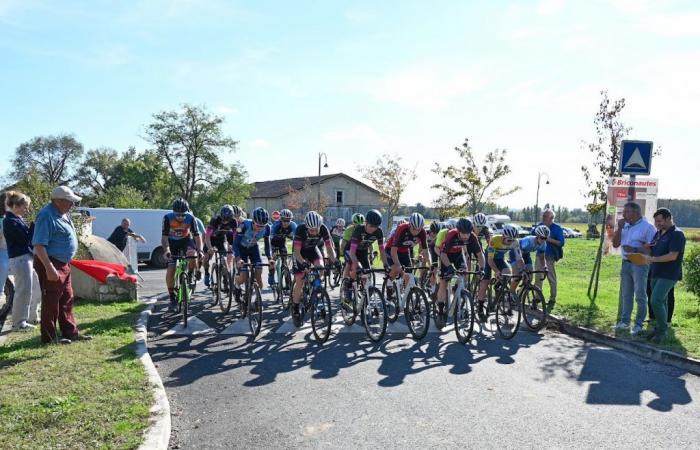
(316, 302)
(372, 306)
(461, 302)
(412, 300)
(252, 309)
(183, 287)
(8, 299)
(221, 282)
(534, 306)
(506, 306)
(283, 279)
(332, 274)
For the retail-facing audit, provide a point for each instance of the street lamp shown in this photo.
(537, 200)
(325, 166)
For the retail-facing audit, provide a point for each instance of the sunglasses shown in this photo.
(286, 220)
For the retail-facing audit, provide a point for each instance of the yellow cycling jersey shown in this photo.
(498, 248)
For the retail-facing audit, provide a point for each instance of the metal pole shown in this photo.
(537, 201)
(318, 201)
(631, 189)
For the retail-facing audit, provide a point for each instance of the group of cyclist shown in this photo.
(456, 245)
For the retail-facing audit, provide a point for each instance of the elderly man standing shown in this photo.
(634, 233)
(120, 235)
(553, 253)
(55, 243)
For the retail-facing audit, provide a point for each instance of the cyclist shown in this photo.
(305, 244)
(280, 231)
(529, 244)
(363, 238)
(357, 219)
(400, 245)
(498, 246)
(180, 236)
(451, 245)
(435, 228)
(219, 236)
(337, 235)
(245, 245)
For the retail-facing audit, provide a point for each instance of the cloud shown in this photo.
(260, 143)
(429, 88)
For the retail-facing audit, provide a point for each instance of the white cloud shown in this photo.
(429, 88)
(550, 7)
(260, 143)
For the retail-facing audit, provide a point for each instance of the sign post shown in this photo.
(635, 159)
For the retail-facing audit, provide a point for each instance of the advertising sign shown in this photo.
(645, 195)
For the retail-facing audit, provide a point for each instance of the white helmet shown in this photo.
(510, 231)
(480, 219)
(542, 231)
(286, 214)
(451, 224)
(416, 220)
(313, 219)
(340, 222)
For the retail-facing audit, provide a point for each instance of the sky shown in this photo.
(356, 80)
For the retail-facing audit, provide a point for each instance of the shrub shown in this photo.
(691, 271)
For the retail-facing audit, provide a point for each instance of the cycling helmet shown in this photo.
(480, 219)
(286, 214)
(340, 223)
(226, 212)
(374, 217)
(236, 211)
(403, 221)
(542, 231)
(313, 219)
(260, 216)
(465, 225)
(180, 205)
(436, 226)
(358, 219)
(510, 231)
(451, 224)
(416, 220)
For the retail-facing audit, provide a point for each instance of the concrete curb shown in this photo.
(157, 436)
(638, 348)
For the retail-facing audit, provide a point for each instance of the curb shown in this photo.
(157, 436)
(658, 355)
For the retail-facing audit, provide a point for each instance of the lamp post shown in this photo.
(537, 200)
(325, 166)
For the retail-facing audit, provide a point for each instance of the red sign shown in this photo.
(275, 215)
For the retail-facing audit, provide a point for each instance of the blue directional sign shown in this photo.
(635, 157)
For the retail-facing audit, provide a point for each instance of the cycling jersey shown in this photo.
(347, 234)
(279, 234)
(307, 242)
(529, 244)
(247, 237)
(218, 228)
(404, 240)
(449, 241)
(362, 240)
(337, 234)
(176, 229)
(497, 248)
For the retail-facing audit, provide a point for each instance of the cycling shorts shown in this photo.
(456, 259)
(500, 263)
(250, 255)
(404, 260)
(310, 256)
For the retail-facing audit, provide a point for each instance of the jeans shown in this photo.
(670, 302)
(659, 293)
(24, 307)
(633, 286)
(551, 276)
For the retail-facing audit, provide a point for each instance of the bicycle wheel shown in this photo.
(6, 303)
(285, 285)
(337, 276)
(464, 317)
(507, 314)
(215, 285)
(321, 314)
(255, 310)
(226, 293)
(184, 297)
(373, 312)
(348, 307)
(392, 301)
(417, 312)
(534, 308)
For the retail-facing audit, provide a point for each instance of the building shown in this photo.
(343, 195)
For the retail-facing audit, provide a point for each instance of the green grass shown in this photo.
(84, 395)
(574, 272)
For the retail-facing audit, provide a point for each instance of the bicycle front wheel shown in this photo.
(507, 314)
(225, 291)
(417, 313)
(348, 306)
(321, 314)
(391, 298)
(215, 285)
(184, 297)
(534, 308)
(255, 310)
(374, 315)
(464, 317)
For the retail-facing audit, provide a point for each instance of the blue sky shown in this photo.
(358, 79)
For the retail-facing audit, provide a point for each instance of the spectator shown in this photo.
(554, 252)
(634, 233)
(4, 260)
(670, 301)
(121, 234)
(19, 247)
(666, 259)
(55, 243)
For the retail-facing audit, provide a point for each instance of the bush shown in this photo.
(691, 271)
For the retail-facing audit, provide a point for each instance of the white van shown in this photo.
(146, 222)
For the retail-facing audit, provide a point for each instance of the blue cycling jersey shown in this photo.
(246, 237)
(279, 234)
(529, 244)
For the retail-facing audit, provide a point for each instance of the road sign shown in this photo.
(635, 157)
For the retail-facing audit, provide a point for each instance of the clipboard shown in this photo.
(637, 259)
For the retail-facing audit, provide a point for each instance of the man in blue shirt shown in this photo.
(55, 243)
(553, 253)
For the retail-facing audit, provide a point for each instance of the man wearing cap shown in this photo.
(55, 243)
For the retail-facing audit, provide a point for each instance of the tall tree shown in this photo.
(473, 182)
(52, 158)
(445, 206)
(97, 170)
(390, 178)
(306, 199)
(232, 189)
(190, 141)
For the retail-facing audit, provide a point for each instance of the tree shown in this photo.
(445, 206)
(390, 179)
(122, 196)
(97, 171)
(190, 141)
(51, 158)
(473, 182)
(38, 190)
(233, 189)
(303, 200)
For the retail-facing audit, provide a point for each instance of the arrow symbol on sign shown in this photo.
(636, 160)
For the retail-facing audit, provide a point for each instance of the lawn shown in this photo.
(84, 395)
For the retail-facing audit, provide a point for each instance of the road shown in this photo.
(284, 390)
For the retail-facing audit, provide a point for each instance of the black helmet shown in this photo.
(436, 226)
(260, 216)
(180, 205)
(465, 225)
(373, 217)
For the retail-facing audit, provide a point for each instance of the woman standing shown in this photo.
(4, 261)
(19, 248)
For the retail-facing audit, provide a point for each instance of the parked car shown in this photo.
(497, 228)
(570, 233)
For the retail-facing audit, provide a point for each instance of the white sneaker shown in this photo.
(636, 330)
(24, 326)
(620, 326)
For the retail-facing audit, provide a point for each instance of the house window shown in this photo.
(339, 197)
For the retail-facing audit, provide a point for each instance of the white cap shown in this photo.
(64, 193)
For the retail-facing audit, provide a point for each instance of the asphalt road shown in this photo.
(284, 390)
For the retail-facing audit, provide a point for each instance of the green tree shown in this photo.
(191, 142)
(97, 171)
(38, 190)
(390, 178)
(445, 206)
(232, 189)
(474, 183)
(52, 158)
(122, 196)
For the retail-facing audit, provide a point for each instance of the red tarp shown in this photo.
(100, 270)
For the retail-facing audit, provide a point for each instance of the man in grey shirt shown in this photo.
(634, 233)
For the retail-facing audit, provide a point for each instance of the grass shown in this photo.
(84, 395)
(574, 272)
